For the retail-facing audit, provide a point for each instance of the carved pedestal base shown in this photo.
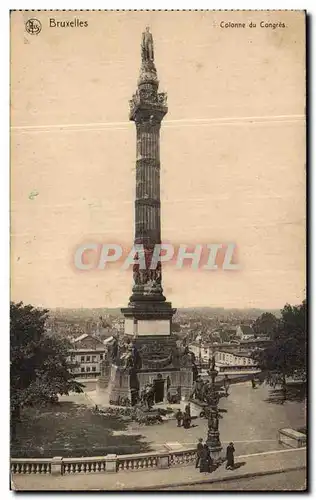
(125, 386)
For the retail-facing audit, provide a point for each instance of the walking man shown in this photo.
(230, 450)
(179, 417)
(199, 450)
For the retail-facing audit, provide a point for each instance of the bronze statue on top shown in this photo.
(147, 46)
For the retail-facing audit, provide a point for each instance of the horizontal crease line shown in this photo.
(182, 120)
(30, 132)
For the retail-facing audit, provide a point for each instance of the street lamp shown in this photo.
(213, 439)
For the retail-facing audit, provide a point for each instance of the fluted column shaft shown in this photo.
(147, 203)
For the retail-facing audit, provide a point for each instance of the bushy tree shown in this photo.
(287, 354)
(39, 366)
(265, 325)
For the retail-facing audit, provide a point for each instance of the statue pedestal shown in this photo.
(163, 379)
(159, 364)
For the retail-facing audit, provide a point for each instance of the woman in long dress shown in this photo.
(205, 461)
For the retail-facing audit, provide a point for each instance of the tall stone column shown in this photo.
(147, 109)
(149, 354)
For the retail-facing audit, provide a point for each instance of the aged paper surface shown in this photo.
(224, 179)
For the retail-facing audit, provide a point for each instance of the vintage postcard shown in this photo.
(158, 247)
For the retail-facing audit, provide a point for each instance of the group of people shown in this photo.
(184, 418)
(203, 457)
(204, 460)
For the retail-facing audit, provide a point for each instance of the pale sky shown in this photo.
(232, 153)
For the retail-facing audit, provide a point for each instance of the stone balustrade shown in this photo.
(31, 465)
(106, 464)
(137, 462)
(83, 465)
(186, 457)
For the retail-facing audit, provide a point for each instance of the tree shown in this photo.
(39, 366)
(265, 324)
(287, 355)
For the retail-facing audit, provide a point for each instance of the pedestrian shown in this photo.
(179, 417)
(186, 421)
(230, 450)
(188, 410)
(253, 383)
(226, 385)
(199, 450)
(205, 462)
(187, 417)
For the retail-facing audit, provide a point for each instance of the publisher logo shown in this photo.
(33, 26)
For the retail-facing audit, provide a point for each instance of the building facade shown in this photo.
(234, 359)
(245, 332)
(229, 358)
(87, 354)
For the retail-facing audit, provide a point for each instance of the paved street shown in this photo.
(251, 422)
(285, 481)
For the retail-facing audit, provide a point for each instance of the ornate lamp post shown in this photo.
(213, 439)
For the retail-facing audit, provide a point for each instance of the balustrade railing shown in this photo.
(106, 464)
(31, 466)
(83, 465)
(182, 457)
(137, 462)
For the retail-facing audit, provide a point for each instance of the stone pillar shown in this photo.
(147, 109)
(110, 463)
(147, 309)
(147, 206)
(163, 462)
(56, 466)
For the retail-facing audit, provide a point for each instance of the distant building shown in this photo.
(88, 352)
(245, 332)
(234, 358)
(201, 350)
(235, 362)
(229, 355)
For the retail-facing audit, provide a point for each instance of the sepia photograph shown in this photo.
(158, 314)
